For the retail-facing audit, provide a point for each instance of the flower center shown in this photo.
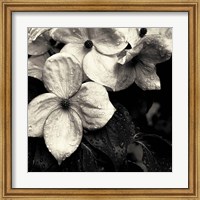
(143, 32)
(65, 104)
(88, 44)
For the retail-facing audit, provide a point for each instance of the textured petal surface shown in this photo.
(154, 50)
(152, 31)
(93, 105)
(106, 71)
(125, 76)
(38, 111)
(165, 32)
(63, 133)
(36, 65)
(127, 54)
(69, 35)
(38, 46)
(62, 75)
(100, 68)
(109, 41)
(77, 50)
(146, 77)
(33, 33)
(133, 36)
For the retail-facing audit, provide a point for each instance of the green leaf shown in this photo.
(114, 137)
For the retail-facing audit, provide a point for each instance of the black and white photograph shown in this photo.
(99, 99)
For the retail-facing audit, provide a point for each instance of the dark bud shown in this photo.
(143, 32)
(88, 44)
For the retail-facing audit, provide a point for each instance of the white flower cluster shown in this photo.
(77, 77)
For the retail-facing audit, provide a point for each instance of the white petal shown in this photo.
(155, 50)
(77, 50)
(93, 105)
(38, 46)
(106, 71)
(100, 68)
(109, 41)
(165, 32)
(36, 65)
(38, 110)
(125, 76)
(62, 133)
(62, 75)
(153, 31)
(128, 54)
(146, 77)
(132, 36)
(69, 35)
(34, 33)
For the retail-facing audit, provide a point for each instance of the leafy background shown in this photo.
(137, 138)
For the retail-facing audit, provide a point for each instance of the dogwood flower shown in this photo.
(137, 64)
(108, 41)
(150, 50)
(93, 46)
(60, 115)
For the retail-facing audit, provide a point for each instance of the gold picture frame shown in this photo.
(9, 6)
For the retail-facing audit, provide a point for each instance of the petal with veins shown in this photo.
(38, 46)
(152, 48)
(168, 33)
(100, 68)
(62, 75)
(62, 133)
(153, 31)
(125, 76)
(109, 41)
(77, 50)
(154, 51)
(69, 35)
(165, 32)
(33, 33)
(106, 71)
(146, 77)
(133, 36)
(38, 111)
(36, 64)
(126, 55)
(93, 105)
